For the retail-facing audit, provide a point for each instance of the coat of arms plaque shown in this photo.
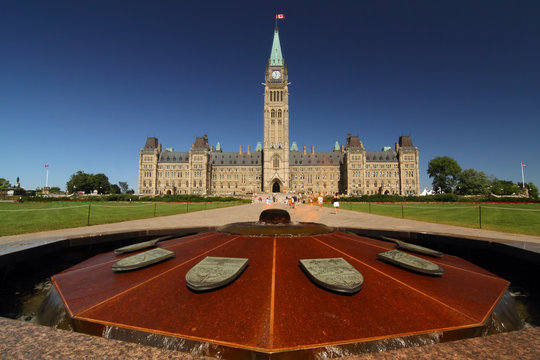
(143, 259)
(334, 274)
(410, 262)
(214, 272)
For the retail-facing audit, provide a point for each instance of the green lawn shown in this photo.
(19, 218)
(513, 218)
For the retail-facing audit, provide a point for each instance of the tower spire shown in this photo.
(276, 58)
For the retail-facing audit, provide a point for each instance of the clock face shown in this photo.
(276, 74)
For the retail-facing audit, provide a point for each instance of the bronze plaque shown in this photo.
(418, 249)
(410, 262)
(214, 272)
(135, 247)
(414, 248)
(334, 274)
(143, 259)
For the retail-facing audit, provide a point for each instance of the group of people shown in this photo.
(292, 201)
(335, 201)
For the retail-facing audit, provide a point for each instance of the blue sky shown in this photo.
(83, 83)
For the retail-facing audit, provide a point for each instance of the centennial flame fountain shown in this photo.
(277, 289)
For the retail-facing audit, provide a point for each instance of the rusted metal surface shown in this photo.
(273, 305)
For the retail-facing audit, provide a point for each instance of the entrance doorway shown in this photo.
(275, 187)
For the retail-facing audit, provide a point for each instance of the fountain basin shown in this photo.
(273, 309)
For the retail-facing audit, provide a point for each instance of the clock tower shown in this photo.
(276, 122)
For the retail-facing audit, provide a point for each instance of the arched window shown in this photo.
(279, 113)
(273, 113)
(276, 162)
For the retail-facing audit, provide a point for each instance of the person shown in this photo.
(320, 201)
(335, 200)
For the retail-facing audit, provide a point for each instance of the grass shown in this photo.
(20, 218)
(512, 218)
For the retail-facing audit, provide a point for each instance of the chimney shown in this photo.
(212, 148)
(342, 148)
(240, 151)
(249, 149)
(313, 149)
(304, 149)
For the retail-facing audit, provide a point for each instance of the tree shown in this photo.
(472, 182)
(80, 181)
(444, 171)
(101, 183)
(503, 187)
(115, 189)
(87, 183)
(4, 184)
(123, 186)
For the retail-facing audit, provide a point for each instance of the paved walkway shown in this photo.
(250, 212)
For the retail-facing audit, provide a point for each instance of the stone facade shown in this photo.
(274, 166)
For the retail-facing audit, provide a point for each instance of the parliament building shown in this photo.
(275, 165)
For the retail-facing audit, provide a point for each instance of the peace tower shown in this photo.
(276, 122)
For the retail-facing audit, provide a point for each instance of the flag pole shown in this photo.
(522, 176)
(47, 175)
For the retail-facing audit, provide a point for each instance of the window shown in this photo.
(276, 162)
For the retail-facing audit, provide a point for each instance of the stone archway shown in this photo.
(275, 187)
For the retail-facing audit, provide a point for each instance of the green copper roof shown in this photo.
(294, 147)
(275, 57)
(259, 146)
(336, 146)
(218, 146)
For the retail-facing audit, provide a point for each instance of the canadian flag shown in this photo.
(523, 164)
(46, 165)
(280, 16)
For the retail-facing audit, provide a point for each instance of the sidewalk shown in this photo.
(250, 212)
